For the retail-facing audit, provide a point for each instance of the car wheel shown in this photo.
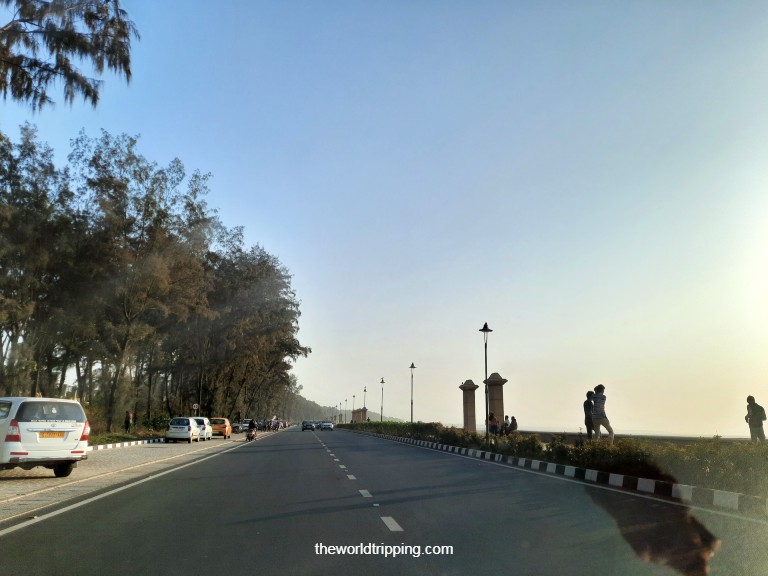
(190, 440)
(63, 470)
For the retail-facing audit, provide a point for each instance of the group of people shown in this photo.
(595, 417)
(507, 427)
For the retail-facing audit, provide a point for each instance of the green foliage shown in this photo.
(44, 41)
(117, 272)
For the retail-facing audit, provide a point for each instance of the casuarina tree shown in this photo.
(43, 41)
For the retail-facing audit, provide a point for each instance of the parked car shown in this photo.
(206, 432)
(326, 426)
(182, 428)
(48, 432)
(307, 425)
(221, 427)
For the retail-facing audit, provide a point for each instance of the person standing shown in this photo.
(493, 424)
(599, 417)
(588, 406)
(755, 418)
(505, 427)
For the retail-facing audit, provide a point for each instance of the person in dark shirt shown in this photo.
(755, 417)
(588, 406)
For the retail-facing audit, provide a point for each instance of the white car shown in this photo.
(182, 428)
(206, 430)
(326, 426)
(48, 432)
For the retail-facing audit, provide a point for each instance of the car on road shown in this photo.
(48, 432)
(182, 428)
(307, 425)
(326, 426)
(221, 427)
(206, 432)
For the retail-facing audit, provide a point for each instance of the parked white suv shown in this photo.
(48, 432)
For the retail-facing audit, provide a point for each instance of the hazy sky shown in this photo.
(587, 177)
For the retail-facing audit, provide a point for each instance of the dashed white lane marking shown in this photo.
(342, 466)
(351, 477)
(365, 494)
(391, 524)
(336, 460)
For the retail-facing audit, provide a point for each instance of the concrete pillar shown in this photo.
(496, 395)
(468, 388)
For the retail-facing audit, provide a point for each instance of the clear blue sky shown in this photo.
(587, 177)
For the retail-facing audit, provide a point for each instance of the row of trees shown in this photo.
(120, 286)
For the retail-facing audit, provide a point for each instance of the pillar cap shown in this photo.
(495, 380)
(469, 385)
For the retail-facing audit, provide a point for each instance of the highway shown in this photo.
(293, 501)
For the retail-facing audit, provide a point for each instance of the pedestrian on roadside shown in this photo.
(505, 426)
(588, 406)
(513, 424)
(755, 418)
(127, 422)
(493, 424)
(599, 417)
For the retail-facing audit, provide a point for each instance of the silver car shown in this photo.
(183, 428)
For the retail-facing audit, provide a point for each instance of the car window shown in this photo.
(217, 421)
(5, 409)
(50, 412)
(179, 422)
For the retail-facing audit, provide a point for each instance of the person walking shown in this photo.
(588, 406)
(755, 418)
(599, 417)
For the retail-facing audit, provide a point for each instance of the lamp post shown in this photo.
(412, 367)
(353, 407)
(345, 411)
(365, 389)
(381, 415)
(485, 330)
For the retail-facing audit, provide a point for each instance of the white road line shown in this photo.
(351, 477)
(342, 466)
(391, 524)
(365, 494)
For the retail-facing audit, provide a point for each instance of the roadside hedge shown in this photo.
(734, 466)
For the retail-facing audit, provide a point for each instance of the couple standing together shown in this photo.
(594, 413)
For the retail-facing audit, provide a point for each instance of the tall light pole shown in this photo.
(353, 407)
(381, 415)
(345, 411)
(412, 367)
(485, 330)
(365, 389)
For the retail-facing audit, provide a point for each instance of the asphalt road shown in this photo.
(283, 503)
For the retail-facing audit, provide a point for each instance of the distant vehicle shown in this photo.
(206, 432)
(48, 432)
(221, 427)
(307, 425)
(326, 426)
(182, 428)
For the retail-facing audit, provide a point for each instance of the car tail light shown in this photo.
(189, 428)
(13, 435)
(86, 432)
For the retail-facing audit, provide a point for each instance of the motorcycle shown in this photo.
(251, 435)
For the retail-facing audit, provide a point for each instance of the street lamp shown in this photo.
(353, 407)
(485, 330)
(345, 410)
(381, 415)
(412, 367)
(365, 389)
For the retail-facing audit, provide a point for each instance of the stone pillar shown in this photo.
(469, 388)
(496, 395)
